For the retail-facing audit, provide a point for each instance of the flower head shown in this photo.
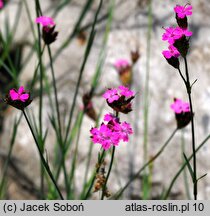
(180, 106)
(49, 34)
(111, 95)
(172, 51)
(121, 63)
(111, 133)
(104, 136)
(18, 98)
(19, 94)
(174, 33)
(119, 99)
(183, 11)
(125, 91)
(110, 117)
(45, 21)
(124, 130)
(182, 111)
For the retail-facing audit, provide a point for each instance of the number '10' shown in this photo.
(198, 206)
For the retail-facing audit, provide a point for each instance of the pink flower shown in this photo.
(124, 130)
(19, 95)
(114, 94)
(183, 11)
(104, 136)
(125, 91)
(109, 117)
(112, 133)
(180, 106)
(1, 4)
(174, 33)
(111, 95)
(172, 51)
(45, 21)
(121, 64)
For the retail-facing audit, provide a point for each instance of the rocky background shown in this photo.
(129, 32)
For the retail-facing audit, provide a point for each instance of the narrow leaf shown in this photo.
(189, 167)
(201, 177)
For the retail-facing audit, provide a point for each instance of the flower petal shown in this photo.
(13, 94)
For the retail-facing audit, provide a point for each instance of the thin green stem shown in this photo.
(44, 163)
(41, 71)
(110, 168)
(74, 161)
(39, 52)
(185, 171)
(36, 71)
(119, 193)
(108, 174)
(188, 87)
(180, 73)
(55, 92)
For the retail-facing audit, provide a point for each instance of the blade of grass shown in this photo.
(12, 141)
(146, 185)
(70, 195)
(185, 171)
(189, 167)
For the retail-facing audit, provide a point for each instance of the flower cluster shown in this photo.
(182, 112)
(178, 37)
(18, 98)
(49, 34)
(119, 99)
(111, 133)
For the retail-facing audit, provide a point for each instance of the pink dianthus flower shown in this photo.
(180, 106)
(183, 11)
(111, 95)
(45, 21)
(112, 133)
(172, 51)
(125, 91)
(174, 33)
(114, 94)
(121, 63)
(19, 95)
(124, 130)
